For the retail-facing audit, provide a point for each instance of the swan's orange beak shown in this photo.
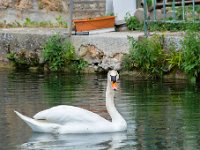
(114, 86)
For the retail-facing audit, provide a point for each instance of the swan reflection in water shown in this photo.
(76, 141)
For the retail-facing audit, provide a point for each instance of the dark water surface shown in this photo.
(160, 114)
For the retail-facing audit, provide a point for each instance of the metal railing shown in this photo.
(180, 10)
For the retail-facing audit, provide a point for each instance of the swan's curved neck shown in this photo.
(110, 105)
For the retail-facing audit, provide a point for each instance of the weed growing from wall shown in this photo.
(56, 51)
(59, 53)
(23, 59)
(148, 55)
(191, 54)
(132, 22)
(174, 59)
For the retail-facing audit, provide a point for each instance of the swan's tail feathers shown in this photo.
(37, 125)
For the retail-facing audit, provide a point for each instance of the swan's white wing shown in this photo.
(66, 114)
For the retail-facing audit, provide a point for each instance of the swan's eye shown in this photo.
(113, 78)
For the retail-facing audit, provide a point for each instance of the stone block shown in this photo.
(139, 14)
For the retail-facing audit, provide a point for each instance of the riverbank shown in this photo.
(101, 51)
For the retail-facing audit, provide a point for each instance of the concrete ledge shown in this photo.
(111, 46)
(101, 51)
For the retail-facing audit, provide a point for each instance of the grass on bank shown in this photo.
(170, 23)
(59, 54)
(148, 55)
(133, 24)
(60, 23)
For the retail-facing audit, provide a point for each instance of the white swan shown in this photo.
(68, 119)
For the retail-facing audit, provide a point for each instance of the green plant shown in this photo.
(61, 22)
(57, 52)
(188, 12)
(191, 51)
(149, 3)
(174, 27)
(23, 59)
(78, 65)
(132, 22)
(148, 55)
(28, 22)
(174, 59)
(161, 26)
(128, 60)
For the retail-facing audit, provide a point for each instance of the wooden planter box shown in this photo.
(94, 23)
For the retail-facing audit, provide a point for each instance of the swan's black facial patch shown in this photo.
(113, 78)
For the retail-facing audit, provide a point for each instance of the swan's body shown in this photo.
(68, 119)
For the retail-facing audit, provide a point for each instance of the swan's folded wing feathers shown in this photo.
(64, 114)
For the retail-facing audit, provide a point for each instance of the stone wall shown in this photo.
(101, 52)
(48, 10)
(23, 39)
(89, 8)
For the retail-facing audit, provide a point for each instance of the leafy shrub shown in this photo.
(59, 54)
(188, 12)
(174, 59)
(61, 22)
(30, 23)
(132, 22)
(191, 51)
(149, 3)
(77, 65)
(167, 26)
(148, 55)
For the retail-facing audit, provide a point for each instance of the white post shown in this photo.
(71, 6)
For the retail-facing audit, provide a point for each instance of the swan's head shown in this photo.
(113, 76)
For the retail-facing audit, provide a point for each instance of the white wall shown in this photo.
(121, 7)
(109, 6)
